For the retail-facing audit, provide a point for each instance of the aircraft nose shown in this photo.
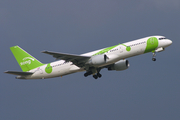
(168, 42)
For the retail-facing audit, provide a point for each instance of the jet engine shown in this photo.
(120, 65)
(159, 49)
(98, 60)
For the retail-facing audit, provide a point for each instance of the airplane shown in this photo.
(112, 58)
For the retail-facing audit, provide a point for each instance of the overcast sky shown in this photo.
(146, 91)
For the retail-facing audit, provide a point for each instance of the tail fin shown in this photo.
(25, 60)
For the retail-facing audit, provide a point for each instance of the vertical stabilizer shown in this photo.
(25, 60)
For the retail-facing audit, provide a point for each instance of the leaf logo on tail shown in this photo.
(27, 61)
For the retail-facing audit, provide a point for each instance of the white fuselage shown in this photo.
(61, 68)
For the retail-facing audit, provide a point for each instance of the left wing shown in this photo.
(19, 73)
(75, 59)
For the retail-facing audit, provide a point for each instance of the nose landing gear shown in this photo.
(154, 56)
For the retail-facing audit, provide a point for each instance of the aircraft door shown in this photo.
(39, 71)
(120, 49)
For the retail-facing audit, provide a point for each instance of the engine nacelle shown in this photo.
(159, 49)
(97, 60)
(120, 65)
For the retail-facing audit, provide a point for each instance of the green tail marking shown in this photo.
(25, 60)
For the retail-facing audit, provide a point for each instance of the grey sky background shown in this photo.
(147, 90)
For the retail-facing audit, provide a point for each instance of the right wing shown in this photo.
(75, 59)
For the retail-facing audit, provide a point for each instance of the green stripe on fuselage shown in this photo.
(105, 50)
(152, 44)
(128, 48)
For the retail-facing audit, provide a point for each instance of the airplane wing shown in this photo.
(75, 59)
(19, 73)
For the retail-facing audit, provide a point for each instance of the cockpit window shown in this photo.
(162, 38)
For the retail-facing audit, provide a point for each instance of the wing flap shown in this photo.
(19, 73)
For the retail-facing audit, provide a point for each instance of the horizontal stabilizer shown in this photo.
(19, 73)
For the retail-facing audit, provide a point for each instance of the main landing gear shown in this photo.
(88, 73)
(95, 76)
(154, 56)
